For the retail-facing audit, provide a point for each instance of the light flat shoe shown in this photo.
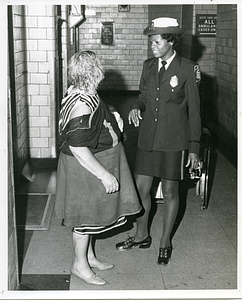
(94, 279)
(102, 267)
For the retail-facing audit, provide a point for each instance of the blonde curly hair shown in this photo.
(85, 71)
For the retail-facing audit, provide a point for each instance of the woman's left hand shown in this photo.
(192, 161)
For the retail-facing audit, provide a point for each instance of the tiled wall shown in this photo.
(122, 62)
(13, 279)
(226, 72)
(201, 50)
(188, 25)
(206, 45)
(40, 34)
(20, 58)
(167, 11)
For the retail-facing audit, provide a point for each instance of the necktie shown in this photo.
(162, 70)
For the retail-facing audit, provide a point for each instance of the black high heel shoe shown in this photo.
(164, 256)
(130, 243)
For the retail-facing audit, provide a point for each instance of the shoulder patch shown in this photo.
(197, 72)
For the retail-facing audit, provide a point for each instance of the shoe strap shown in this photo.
(164, 252)
(129, 240)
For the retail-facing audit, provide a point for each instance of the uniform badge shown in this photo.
(197, 72)
(174, 81)
(151, 27)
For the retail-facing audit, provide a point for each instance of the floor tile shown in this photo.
(200, 227)
(23, 239)
(132, 268)
(207, 256)
(200, 281)
(49, 252)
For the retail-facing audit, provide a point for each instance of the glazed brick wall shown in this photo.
(41, 45)
(196, 48)
(13, 280)
(13, 276)
(20, 72)
(67, 43)
(122, 62)
(205, 45)
(226, 71)
(201, 50)
(20, 58)
(188, 25)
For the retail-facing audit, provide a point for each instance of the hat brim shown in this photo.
(165, 30)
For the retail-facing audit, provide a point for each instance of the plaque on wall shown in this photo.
(107, 33)
(206, 25)
(124, 8)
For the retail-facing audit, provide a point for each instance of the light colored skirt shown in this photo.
(81, 199)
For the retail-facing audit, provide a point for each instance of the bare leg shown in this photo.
(171, 205)
(143, 185)
(94, 262)
(81, 267)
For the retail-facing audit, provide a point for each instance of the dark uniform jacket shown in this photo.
(170, 109)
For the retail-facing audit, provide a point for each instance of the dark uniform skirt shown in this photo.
(165, 165)
(81, 199)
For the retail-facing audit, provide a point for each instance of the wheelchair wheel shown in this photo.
(204, 179)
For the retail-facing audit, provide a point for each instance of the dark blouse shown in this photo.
(98, 130)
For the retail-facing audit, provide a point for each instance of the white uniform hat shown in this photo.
(163, 26)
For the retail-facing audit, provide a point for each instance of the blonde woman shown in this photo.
(95, 191)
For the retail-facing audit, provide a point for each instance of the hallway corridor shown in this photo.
(40, 40)
(205, 243)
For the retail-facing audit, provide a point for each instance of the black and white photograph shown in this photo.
(91, 92)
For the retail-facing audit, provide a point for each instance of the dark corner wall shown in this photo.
(224, 106)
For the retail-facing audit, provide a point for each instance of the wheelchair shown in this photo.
(200, 175)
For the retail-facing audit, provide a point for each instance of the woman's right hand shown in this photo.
(135, 116)
(110, 183)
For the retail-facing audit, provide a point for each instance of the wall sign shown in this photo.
(206, 25)
(107, 33)
(124, 8)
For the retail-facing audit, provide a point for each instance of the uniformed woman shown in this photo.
(167, 112)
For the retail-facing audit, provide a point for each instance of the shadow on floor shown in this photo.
(44, 282)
